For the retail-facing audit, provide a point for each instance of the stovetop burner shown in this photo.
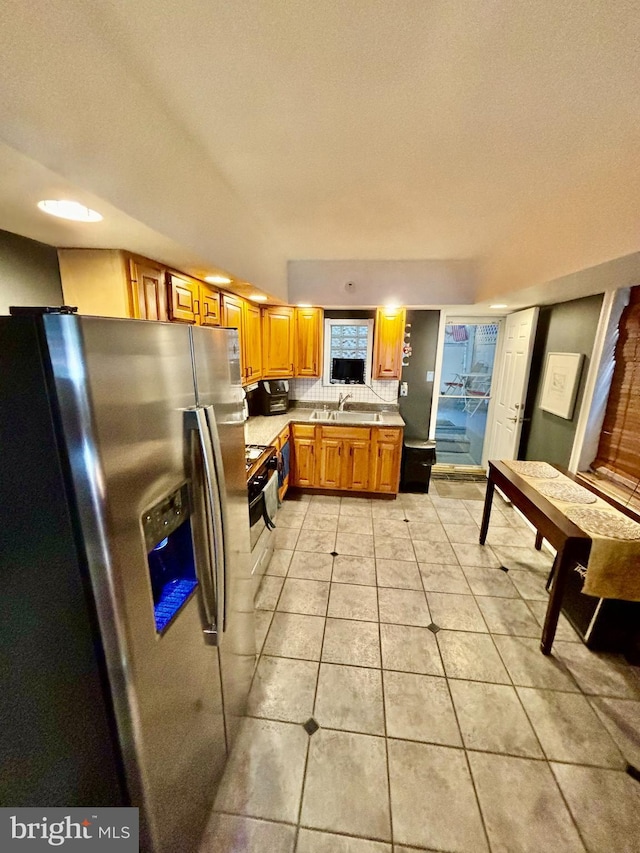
(256, 455)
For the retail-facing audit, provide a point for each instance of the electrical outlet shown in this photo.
(429, 375)
(404, 389)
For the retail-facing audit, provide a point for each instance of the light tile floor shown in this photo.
(441, 725)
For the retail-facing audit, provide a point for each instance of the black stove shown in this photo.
(259, 457)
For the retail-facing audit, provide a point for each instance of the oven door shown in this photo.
(259, 518)
(261, 526)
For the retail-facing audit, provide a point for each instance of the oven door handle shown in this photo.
(267, 520)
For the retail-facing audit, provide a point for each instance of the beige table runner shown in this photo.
(614, 562)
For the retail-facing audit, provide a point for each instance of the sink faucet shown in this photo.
(342, 400)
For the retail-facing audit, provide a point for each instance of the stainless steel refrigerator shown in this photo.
(126, 610)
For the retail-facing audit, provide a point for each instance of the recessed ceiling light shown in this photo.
(258, 297)
(499, 305)
(304, 305)
(69, 210)
(218, 279)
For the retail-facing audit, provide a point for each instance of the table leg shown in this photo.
(488, 501)
(538, 540)
(562, 566)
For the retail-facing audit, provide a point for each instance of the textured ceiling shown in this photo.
(502, 132)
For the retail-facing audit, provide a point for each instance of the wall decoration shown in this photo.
(560, 383)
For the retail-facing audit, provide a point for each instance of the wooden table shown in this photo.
(571, 543)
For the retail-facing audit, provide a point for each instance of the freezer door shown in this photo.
(219, 392)
(130, 453)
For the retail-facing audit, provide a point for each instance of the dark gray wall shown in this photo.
(564, 327)
(29, 273)
(415, 408)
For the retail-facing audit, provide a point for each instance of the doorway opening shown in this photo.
(464, 392)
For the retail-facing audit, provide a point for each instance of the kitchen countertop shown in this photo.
(261, 429)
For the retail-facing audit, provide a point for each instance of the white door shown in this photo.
(508, 409)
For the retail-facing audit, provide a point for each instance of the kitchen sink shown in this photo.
(345, 417)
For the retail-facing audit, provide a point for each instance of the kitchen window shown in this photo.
(347, 352)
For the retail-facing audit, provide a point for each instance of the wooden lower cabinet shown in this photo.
(359, 466)
(346, 458)
(283, 437)
(386, 457)
(303, 463)
(330, 467)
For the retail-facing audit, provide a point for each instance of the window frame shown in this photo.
(326, 372)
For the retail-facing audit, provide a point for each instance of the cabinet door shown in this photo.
(232, 318)
(387, 466)
(388, 340)
(149, 290)
(209, 306)
(277, 342)
(184, 299)
(308, 343)
(357, 456)
(253, 342)
(330, 466)
(281, 440)
(303, 463)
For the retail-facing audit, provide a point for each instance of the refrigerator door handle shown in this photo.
(210, 592)
(221, 506)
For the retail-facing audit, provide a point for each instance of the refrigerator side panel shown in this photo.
(139, 378)
(218, 385)
(58, 743)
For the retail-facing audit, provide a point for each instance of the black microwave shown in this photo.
(271, 397)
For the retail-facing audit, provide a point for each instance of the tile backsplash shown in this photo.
(311, 390)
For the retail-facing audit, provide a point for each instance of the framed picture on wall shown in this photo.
(560, 383)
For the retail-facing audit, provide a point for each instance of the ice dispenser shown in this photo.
(170, 554)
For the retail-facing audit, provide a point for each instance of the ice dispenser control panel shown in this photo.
(170, 555)
(168, 514)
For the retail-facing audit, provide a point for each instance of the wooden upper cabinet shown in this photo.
(308, 342)
(388, 340)
(278, 337)
(252, 338)
(209, 306)
(233, 317)
(149, 289)
(98, 282)
(184, 298)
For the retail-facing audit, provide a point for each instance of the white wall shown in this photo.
(73, 102)
(29, 273)
(410, 283)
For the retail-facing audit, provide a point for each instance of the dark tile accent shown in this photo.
(633, 772)
(334, 553)
(406, 519)
(503, 568)
(310, 727)
(434, 628)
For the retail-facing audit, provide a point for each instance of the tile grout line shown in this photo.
(384, 719)
(462, 741)
(313, 711)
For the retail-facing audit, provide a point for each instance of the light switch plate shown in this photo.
(429, 375)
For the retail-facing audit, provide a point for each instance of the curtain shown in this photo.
(619, 447)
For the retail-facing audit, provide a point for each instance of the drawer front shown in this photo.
(355, 433)
(303, 431)
(389, 434)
